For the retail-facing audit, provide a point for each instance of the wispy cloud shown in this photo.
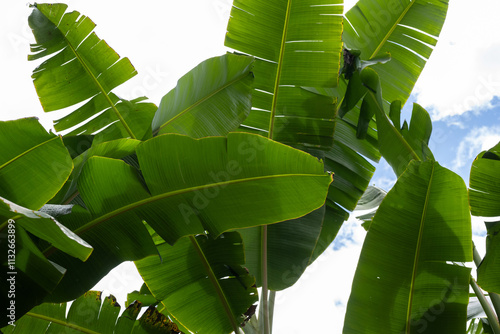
(463, 73)
(477, 140)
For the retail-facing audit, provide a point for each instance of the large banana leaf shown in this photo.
(297, 44)
(406, 29)
(83, 67)
(210, 100)
(202, 282)
(404, 282)
(89, 314)
(484, 196)
(34, 164)
(188, 187)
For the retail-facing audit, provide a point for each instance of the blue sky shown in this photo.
(460, 87)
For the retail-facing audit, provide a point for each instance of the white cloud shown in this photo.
(477, 140)
(463, 73)
(320, 296)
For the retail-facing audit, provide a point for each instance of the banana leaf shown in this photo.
(210, 100)
(408, 30)
(484, 196)
(89, 314)
(201, 282)
(416, 289)
(34, 164)
(28, 273)
(79, 67)
(296, 44)
(186, 187)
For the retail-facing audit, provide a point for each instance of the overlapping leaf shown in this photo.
(422, 224)
(82, 67)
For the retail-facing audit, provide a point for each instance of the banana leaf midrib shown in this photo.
(417, 252)
(28, 151)
(62, 323)
(99, 86)
(213, 279)
(205, 98)
(278, 71)
(389, 33)
(155, 198)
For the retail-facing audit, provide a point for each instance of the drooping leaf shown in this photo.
(296, 44)
(422, 224)
(44, 227)
(80, 66)
(202, 282)
(406, 29)
(89, 314)
(34, 164)
(371, 199)
(212, 99)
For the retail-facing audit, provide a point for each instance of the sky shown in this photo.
(460, 87)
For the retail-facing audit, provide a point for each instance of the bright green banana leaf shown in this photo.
(296, 44)
(404, 281)
(484, 196)
(89, 314)
(34, 164)
(201, 282)
(83, 67)
(406, 29)
(188, 186)
(210, 100)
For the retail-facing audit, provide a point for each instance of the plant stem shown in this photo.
(490, 314)
(265, 289)
(272, 298)
(495, 298)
